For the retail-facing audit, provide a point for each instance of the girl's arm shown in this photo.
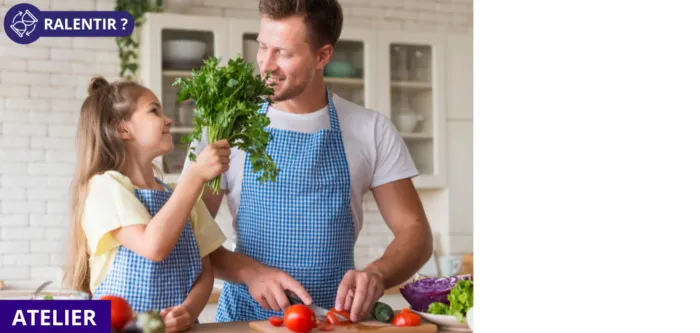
(156, 239)
(180, 318)
(198, 297)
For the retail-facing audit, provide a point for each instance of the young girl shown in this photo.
(135, 237)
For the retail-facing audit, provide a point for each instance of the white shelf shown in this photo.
(344, 80)
(417, 135)
(177, 73)
(411, 84)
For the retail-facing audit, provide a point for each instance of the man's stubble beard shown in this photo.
(289, 94)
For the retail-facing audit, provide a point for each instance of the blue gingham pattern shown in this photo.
(149, 285)
(301, 224)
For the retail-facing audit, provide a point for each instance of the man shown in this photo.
(298, 234)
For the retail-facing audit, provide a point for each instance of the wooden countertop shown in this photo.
(234, 327)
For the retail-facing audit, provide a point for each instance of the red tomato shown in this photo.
(299, 318)
(276, 321)
(343, 315)
(406, 319)
(325, 327)
(336, 317)
(121, 311)
(332, 319)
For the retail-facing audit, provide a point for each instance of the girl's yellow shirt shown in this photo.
(112, 204)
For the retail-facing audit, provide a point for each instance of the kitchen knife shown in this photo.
(319, 311)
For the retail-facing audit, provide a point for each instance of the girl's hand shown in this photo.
(177, 318)
(212, 161)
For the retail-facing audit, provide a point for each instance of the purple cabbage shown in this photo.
(419, 294)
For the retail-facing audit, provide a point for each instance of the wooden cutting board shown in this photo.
(365, 326)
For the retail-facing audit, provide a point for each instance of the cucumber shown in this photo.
(382, 312)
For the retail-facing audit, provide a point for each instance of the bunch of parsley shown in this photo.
(227, 100)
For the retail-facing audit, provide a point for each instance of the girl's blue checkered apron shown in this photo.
(301, 224)
(149, 285)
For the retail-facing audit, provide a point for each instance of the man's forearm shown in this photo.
(404, 256)
(232, 266)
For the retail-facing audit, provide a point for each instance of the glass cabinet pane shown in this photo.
(185, 49)
(182, 51)
(412, 100)
(250, 50)
(344, 74)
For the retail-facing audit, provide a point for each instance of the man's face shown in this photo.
(284, 51)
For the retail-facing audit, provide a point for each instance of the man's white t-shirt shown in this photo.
(375, 151)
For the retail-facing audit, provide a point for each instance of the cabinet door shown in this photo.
(244, 34)
(350, 73)
(172, 46)
(412, 78)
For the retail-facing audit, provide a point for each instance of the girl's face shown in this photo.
(148, 131)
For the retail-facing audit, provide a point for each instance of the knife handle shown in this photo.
(292, 299)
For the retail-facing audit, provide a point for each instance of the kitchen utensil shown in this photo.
(450, 265)
(183, 50)
(339, 68)
(41, 287)
(264, 326)
(185, 113)
(319, 311)
(408, 121)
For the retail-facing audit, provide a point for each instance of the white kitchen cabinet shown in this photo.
(401, 75)
(412, 85)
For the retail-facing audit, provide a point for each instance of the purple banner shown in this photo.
(57, 316)
(24, 23)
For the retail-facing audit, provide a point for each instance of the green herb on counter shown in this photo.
(227, 100)
(461, 299)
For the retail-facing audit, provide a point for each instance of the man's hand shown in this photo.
(269, 286)
(357, 293)
(177, 318)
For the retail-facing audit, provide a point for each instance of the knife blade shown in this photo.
(319, 311)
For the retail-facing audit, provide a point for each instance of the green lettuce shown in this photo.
(461, 299)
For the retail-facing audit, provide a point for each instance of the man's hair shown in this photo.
(323, 18)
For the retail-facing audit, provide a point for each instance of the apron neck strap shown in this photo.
(332, 114)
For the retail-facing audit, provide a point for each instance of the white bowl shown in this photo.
(183, 50)
(445, 322)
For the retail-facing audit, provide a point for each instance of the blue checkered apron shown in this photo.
(149, 285)
(301, 224)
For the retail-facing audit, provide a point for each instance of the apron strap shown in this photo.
(332, 114)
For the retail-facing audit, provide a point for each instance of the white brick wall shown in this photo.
(41, 89)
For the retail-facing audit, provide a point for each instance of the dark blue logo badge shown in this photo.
(57, 316)
(24, 23)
